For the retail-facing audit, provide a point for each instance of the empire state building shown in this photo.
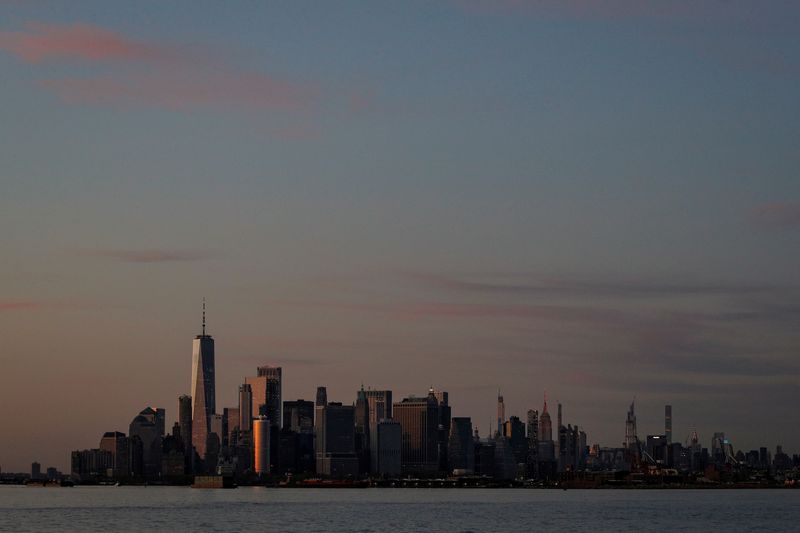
(203, 388)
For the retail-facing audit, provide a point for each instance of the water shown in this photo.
(258, 509)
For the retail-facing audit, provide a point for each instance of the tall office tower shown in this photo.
(185, 420)
(501, 413)
(668, 423)
(532, 428)
(386, 439)
(266, 388)
(419, 418)
(245, 408)
(560, 417)
(380, 405)
(117, 443)
(149, 429)
(362, 430)
(514, 430)
(545, 424)
(36, 470)
(631, 440)
(203, 388)
(261, 441)
(322, 397)
(335, 449)
(298, 416)
(461, 447)
(231, 423)
(445, 414)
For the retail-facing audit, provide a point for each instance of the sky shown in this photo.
(599, 201)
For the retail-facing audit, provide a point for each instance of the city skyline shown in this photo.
(597, 202)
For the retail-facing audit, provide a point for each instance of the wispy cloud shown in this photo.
(148, 255)
(778, 214)
(48, 42)
(14, 305)
(524, 284)
(153, 74)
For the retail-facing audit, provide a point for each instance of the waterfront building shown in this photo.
(203, 389)
(36, 471)
(461, 453)
(261, 445)
(116, 443)
(335, 450)
(386, 441)
(419, 418)
(148, 426)
(266, 388)
(91, 464)
(185, 420)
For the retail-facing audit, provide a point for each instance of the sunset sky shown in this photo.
(600, 200)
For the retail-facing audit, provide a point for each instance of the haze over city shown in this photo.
(599, 203)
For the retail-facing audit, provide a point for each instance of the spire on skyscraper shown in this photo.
(204, 316)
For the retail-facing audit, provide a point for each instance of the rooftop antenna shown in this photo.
(204, 316)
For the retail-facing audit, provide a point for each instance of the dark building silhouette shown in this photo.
(298, 415)
(118, 444)
(203, 389)
(461, 447)
(322, 397)
(335, 441)
(419, 419)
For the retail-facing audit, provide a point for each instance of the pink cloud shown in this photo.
(154, 74)
(783, 214)
(148, 256)
(41, 42)
(185, 90)
(16, 305)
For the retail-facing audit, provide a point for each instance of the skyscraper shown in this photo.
(203, 388)
(419, 418)
(245, 408)
(261, 445)
(668, 423)
(322, 397)
(545, 424)
(461, 453)
(335, 449)
(266, 387)
(185, 421)
(501, 413)
(298, 416)
(631, 440)
(380, 405)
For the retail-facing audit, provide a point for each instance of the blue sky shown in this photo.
(597, 199)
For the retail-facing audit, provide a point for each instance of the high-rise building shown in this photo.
(245, 408)
(232, 417)
(386, 439)
(631, 439)
(514, 431)
(203, 388)
(117, 443)
(36, 470)
(266, 388)
(261, 445)
(545, 424)
(501, 413)
(322, 397)
(335, 449)
(668, 423)
(419, 418)
(298, 416)
(362, 430)
(380, 405)
(148, 426)
(461, 447)
(185, 420)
